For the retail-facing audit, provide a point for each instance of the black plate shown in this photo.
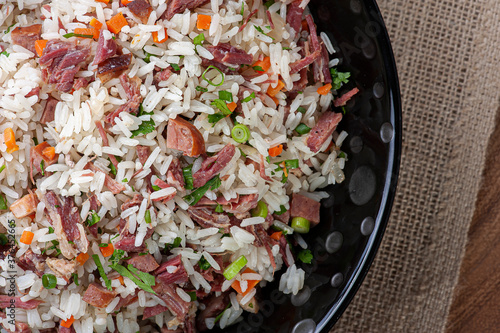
(355, 216)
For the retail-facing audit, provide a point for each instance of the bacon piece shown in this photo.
(98, 296)
(174, 303)
(110, 183)
(106, 48)
(270, 19)
(179, 6)
(127, 300)
(294, 15)
(302, 206)
(161, 184)
(26, 36)
(183, 136)
(5, 301)
(342, 100)
(207, 218)
(227, 58)
(132, 89)
(243, 205)
(33, 92)
(143, 153)
(49, 110)
(153, 311)
(175, 176)
(141, 9)
(113, 67)
(283, 245)
(24, 206)
(172, 271)
(213, 165)
(247, 19)
(62, 268)
(31, 261)
(82, 82)
(323, 129)
(146, 263)
(304, 62)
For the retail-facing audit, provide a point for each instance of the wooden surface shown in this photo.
(476, 305)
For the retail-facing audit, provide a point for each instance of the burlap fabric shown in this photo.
(447, 52)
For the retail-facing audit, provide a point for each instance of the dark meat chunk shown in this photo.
(33, 92)
(5, 301)
(294, 15)
(207, 218)
(143, 153)
(146, 263)
(36, 158)
(163, 75)
(31, 261)
(227, 58)
(153, 311)
(127, 300)
(243, 205)
(110, 183)
(127, 240)
(285, 217)
(106, 48)
(141, 9)
(247, 19)
(213, 165)
(175, 176)
(304, 62)
(113, 67)
(98, 296)
(161, 184)
(172, 271)
(135, 201)
(105, 141)
(323, 129)
(183, 136)
(27, 36)
(342, 100)
(302, 206)
(24, 206)
(82, 82)
(132, 89)
(214, 306)
(179, 6)
(174, 303)
(263, 239)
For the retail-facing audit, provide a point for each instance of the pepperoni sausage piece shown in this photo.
(183, 136)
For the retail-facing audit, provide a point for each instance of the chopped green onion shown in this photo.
(156, 187)
(72, 34)
(42, 167)
(124, 180)
(198, 40)
(301, 109)
(97, 261)
(175, 67)
(242, 153)
(204, 264)
(35, 141)
(260, 210)
(269, 3)
(3, 203)
(176, 243)
(147, 279)
(339, 78)
(219, 209)
(49, 281)
(344, 111)
(286, 48)
(200, 88)
(145, 127)
(249, 98)
(305, 256)
(5, 53)
(147, 216)
(342, 155)
(192, 294)
(289, 164)
(203, 76)
(258, 68)
(301, 225)
(93, 218)
(197, 194)
(222, 106)
(112, 167)
(240, 133)
(242, 8)
(103, 245)
(281, 211)
(75, 279)
(115, 236)
(259, 29)
(302, 129)
(188, 177)
(214, 118)
(8, 29)
(235, 267)
(225, 96)
(219, 316)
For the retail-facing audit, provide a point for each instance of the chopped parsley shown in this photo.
(8, 29)
(175, 67)
(225, 96)
(112, 167)
(35, 141)
(286, 48)
(214, 118)
(305, 256)
(156, 187)
(176, 243)
(198, 40)
(93, 218)
(75, 278)
(192, 294)
(269, 3)
(3, 239)
(258, 69)
(98, 263)
(259, 29)
(3, 203)
(124, 180)
(339, 78)
(197, 194)
(342, 155)
(249, 98)
(222, 106)
(200, 88)
(5, 53)
(301, 109)
(219, 209)
(204, 264)
(145, 127)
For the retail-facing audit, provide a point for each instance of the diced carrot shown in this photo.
(120, 278)
(324, 89)
(283, 166)
(275, 151)
(26, 237)
(155, 37)
(97, 27)
(250, 283)
(265, 64)
(39, 46)
(82, 258)
(85, 31)
(275, 100)
(107, 251)
(273, 91)
(67, 323)
(10, 140)
(116, 23)
(203, 22)
(49, 152)
(126, 2)
(103, 1)
(232, 106)
(276, 235)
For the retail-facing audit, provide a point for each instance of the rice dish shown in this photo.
(160, 160)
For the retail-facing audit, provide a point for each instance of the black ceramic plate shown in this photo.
(354, 218)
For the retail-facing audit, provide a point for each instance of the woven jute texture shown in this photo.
(448, 56)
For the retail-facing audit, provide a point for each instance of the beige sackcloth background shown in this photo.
(448, 58)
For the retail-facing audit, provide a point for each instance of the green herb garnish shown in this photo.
(176, 243)
(188, 177)
(258, 68)
(175, 67)
(225, 96)
(222, 106)
(219, 209)
(93, 218)
(305, 256)
(3, 203)
(259, 29)
(147, 216)
(145, 127)
(200, 88)
(72, 34)
(116, 256)
(143, 280)
(197, 194)
(198, 40)
(214, 118)
(204, 264)
(98, 263)
(249, 98)
(42, 167)
(339, 78)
